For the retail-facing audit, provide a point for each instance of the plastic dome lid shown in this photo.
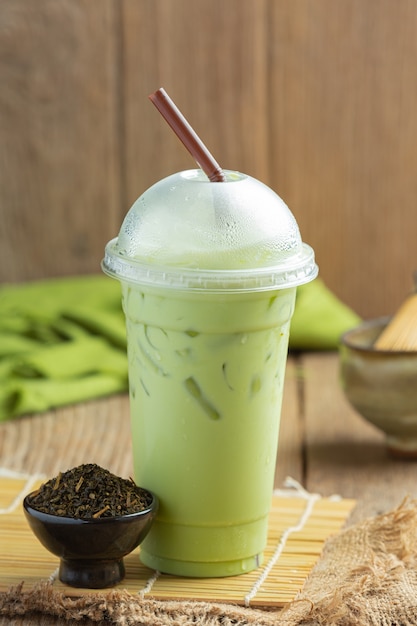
(187, 232)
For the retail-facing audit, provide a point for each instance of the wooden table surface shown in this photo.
(323, 444)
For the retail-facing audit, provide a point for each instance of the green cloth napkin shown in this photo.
(319, 319)
(63, 340)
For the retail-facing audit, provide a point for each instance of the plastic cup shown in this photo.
(209, 274)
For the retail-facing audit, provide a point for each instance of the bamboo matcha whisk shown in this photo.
(401, 332)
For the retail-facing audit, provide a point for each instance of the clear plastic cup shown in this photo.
(209, 274)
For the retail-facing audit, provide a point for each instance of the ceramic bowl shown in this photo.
(381, 386)
(91, 551)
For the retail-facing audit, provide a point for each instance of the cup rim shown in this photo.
(295, 271)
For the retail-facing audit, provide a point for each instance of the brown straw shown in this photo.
(187, 135)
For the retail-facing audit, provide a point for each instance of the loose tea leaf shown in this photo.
(89, 492)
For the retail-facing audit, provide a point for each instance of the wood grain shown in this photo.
(51, 442)
(343, 92)
(314, 97)
(212, 60)
(60, 145)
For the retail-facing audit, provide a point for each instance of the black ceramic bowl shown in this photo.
(91, 551)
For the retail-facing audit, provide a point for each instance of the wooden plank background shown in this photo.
(316, 98)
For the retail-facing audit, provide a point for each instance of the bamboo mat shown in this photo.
(298, 527)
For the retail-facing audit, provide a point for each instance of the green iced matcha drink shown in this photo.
(206, 377)
(209, 274)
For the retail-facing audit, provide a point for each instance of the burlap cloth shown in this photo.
(367, 575)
